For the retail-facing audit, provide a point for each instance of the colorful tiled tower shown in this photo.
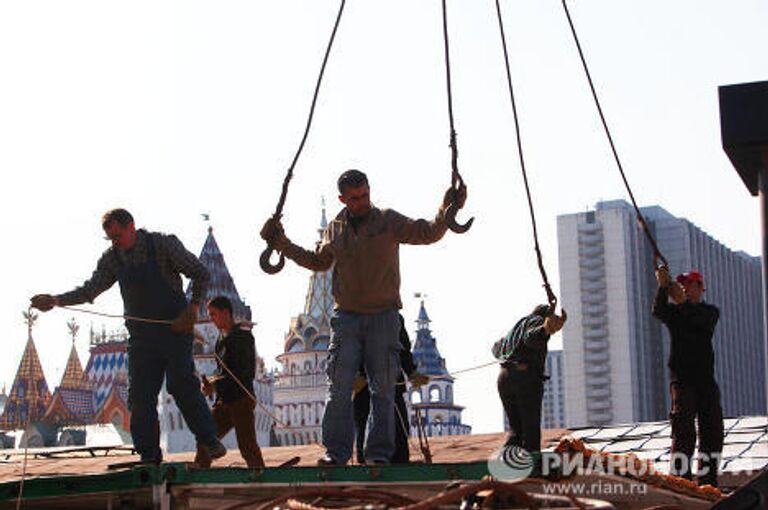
(439, 415)
(29, 396)
(301, 386)
(107, 372)
(73, 401)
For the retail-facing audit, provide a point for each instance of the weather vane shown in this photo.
(73, 328)
(207, 219)
(29, 317)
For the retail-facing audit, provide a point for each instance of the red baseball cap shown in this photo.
(690, 276)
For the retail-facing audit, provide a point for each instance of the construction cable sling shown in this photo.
(264, 261)
(456, 180)
(551, 298)
(657, 256)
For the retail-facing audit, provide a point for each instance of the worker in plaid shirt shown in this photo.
(148, 266)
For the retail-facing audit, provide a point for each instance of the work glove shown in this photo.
(554, 323)
(417, 379)
(185, 322)
(461, 197)
(677, 293)
(208, 387)
(274, 234)
(359, 383)
(663, 277)
(44, 302)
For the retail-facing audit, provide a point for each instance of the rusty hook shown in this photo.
(450, 215)
(266, 264)
(266, 255)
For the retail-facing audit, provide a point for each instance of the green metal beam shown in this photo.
(60, 486)
(180, 474)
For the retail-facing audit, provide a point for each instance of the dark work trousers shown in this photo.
(155, 353)
(239, 414)
(700, 402)
(521, 392)
(362, 408)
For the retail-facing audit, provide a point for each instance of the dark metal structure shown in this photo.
(744, 131)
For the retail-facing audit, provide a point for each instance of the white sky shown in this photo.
(171, 109)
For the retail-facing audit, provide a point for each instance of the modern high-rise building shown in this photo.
(615, 351)
(553, 402)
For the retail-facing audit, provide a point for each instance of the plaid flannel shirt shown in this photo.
(172, 258)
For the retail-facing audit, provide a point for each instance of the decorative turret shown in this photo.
(74, 377)
(425, 353)
(434, 401)
(311, 330)
(301, 384)
(73, 401)
(29, 396)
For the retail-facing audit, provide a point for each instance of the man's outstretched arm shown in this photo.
(103, 277)
(319, 260)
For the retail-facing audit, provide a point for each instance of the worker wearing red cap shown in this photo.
(695, 394)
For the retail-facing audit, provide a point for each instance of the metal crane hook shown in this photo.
(266, 255)
(266, 264)
(453, 207)
(450, 219)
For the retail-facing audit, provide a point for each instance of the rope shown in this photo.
(456, 180)
(640, 218)
(391, 499)
(423, 441)
(23, 465)
(551, 298)
(403, 423)
(455, 177)
(464, 370)
(116, 316)
(250, 394)
(157, 321)
(431, 378)
(289, 174)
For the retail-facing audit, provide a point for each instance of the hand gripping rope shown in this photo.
(264, 261)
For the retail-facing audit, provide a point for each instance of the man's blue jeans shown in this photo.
(370, 340)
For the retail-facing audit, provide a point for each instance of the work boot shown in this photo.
(327, 460)
(206, 454)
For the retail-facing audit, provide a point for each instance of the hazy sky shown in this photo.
(172, 109)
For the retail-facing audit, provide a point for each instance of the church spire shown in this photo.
(425, 352)
(29, 395)
(73, 377)
(323, 220)
(319, 301)
(221, 283)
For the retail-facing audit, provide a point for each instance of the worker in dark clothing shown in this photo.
(362, 402)
(148, 267)
(695, 394)
(233, 381)
(523, 356)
